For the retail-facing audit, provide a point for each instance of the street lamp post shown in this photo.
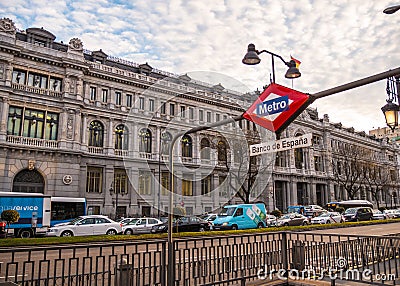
(252, 58)
(164, 138)
(112, 191)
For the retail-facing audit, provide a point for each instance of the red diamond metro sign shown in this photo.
(275, 106)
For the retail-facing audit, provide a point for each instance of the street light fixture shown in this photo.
(252, 58)
(391, 110)
(391, 9)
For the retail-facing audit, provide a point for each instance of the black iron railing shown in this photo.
(213, 260)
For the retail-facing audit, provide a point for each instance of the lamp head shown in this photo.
(251, 57)
(391, 112)
(293, 71)
(391, 10)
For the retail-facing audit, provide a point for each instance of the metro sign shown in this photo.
(275, 106)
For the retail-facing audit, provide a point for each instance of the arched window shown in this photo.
(96, 134)
(145, 140)
(28, 181)
(121, 137)
(166, 138)
(187, 146)
(222, 151)
(205, 149)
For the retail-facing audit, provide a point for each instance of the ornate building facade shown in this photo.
(85, 124)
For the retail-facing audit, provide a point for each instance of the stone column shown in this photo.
(84, 132)
(110, 145)
(4, 119)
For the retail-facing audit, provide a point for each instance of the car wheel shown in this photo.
(201, 229)
(25, 233)
(234, 227)
(305, 223)
(328, 221)
(66, 233)
(128, 231)
(286, 224)
(111, 232)
(341, 221)
(260, 225)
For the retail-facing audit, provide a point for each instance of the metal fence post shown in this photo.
(298, 255)
(284, 249)
(122, 273)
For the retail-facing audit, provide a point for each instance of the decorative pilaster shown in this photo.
(4, 117)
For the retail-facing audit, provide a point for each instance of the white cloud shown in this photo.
(337, 41)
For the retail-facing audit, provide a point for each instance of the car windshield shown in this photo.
(350, 211)
(75, 220)
(227, 211)
(133, 221)
(288, 216)
(325, 215)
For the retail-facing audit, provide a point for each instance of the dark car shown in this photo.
(184, 224)
(358, 214)
(3, 231)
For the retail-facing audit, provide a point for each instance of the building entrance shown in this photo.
(28, 181)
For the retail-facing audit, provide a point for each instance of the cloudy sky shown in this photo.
(337, 41)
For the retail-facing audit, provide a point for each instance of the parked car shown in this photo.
(328, 217)
(391, 213)
(210, 218)
(86, 225)
(3, 231)
(377, 214)
(126, 220)
(270, 220)
(358, 214)
(292, 219)
(313, 208)
(140, 225)
(183, 224)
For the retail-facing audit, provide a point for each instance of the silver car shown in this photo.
(86, 225)
(140, 225)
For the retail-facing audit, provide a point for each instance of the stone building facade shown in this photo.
(80, 123)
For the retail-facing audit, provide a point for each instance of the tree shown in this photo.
(247, 175)
(348, 168)
(10, 216)
(377, 177)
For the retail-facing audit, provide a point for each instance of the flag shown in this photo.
(296, 61)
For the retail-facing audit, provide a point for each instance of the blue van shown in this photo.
(241, 216)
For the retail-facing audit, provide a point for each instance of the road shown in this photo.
(377, 229)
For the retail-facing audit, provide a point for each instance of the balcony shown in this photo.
(36, 90)
(121, 153)
(36, 142)
(95, 150)
(145, 155)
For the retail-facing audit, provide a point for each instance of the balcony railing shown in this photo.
(95, 150)
(145, 155)
(36, 90)
(121, 153)
(27, 141)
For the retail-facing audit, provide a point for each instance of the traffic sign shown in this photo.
(275, 106)
(284, 144)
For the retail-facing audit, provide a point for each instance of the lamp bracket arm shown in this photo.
(273, 54)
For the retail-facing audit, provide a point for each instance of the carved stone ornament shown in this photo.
(31, 165)
(67, 179)
(76, 44)
(7, 26)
